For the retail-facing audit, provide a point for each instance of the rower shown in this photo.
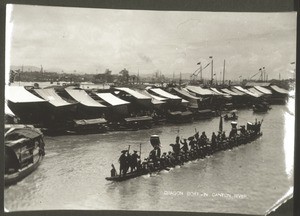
(223, 136)
(184, 148)
(243, 130)
(203, 137)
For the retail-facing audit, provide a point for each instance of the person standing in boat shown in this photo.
(176, 147)
(134, 161)
(213, 140)
(123, 163)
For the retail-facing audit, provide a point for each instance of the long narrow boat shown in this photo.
(24, 151)
(250, 136)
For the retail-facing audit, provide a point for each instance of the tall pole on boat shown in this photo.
(221, 124)
(140, 150)
(212, 69)
(180, 80)
(224, 72)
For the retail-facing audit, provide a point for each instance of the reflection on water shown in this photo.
(248, 179)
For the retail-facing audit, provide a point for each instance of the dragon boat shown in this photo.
(246, 135)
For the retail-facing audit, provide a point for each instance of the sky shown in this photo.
(92, 40)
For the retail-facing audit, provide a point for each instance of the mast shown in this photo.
(212, 69)
(224, 72)
(180, 80)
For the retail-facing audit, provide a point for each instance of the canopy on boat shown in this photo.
(18, 133)
(18, 94)
(155, 100)
(263, 90)
(135, 94)
(238, 92)
(200, 91)
(246, 91)
(111, 99)
(165, 94)
(220, 93)
(255, 91)
(279, 90)
(227, 91)
(52, 97)
(185, 94)
(82, 97)
(161, 99)
(8, 111)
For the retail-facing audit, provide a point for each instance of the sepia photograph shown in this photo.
(146, 110)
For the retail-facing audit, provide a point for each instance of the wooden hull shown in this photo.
(13, 178)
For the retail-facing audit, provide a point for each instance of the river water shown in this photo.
(247, 179)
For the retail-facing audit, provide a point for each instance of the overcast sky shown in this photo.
(91, 40)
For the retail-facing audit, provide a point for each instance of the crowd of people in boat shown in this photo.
(184, 150)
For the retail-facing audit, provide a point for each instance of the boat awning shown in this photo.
(111, 99)
(135, 94)
(184, 101)
(279, 90)
(138, 118)
(255, 91)
(155, 99)
(18, 94)
(238, 92)
(263, 90)
(52, 97)
(246, 91)
(220, 93)
(185, 93)
(165, 94)
(8, 111)
(82, 97)
(232, 93)
(16, 144)
(90, 121)
(200, 91)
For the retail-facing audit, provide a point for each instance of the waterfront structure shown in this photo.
(28, 107)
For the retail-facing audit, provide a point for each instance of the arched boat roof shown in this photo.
(18, 133)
